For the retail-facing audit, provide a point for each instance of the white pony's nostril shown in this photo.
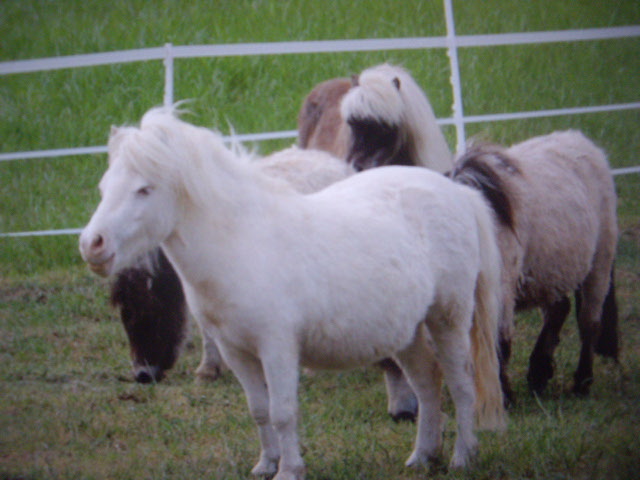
(97, 243)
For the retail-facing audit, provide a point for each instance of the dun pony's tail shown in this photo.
(607, 344)
(490, 411)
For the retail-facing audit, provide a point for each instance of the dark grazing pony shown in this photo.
(153, 312)
(556, 207)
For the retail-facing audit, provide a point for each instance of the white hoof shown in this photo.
(265, 467)
(461, 461)
(296, 474)
(423, 459)
(205, 373)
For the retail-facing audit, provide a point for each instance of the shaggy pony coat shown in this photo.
(556, 201)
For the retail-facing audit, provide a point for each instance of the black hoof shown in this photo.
(539, 375)
(581, 388)
(404, 417)
(144, 377)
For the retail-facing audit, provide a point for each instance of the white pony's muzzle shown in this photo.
(95, 250)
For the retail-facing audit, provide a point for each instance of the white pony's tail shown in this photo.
(490, 411)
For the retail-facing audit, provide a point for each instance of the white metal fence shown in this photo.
(451, 42)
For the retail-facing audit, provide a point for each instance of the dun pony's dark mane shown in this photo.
(485, 168)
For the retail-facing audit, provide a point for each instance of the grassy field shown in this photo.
(67, 406)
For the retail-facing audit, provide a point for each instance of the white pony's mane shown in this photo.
(190, 159)
(403, 104)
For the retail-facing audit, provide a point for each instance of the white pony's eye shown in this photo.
(144, 191)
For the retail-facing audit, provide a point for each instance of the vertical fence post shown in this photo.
(168, 75)
(452, 52)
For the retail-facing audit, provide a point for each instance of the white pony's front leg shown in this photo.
(249, 373)
(281, 371)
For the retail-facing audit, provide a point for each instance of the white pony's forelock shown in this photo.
(169, 150)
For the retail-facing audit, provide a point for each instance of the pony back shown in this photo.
(320, 125)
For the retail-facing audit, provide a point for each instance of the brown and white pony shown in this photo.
(320, 124)
(380, 117)
(392, 123)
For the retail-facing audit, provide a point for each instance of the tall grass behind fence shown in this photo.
(68, 408)
(45, 110)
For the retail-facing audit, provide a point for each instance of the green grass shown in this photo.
(67, 406)
(69, 409)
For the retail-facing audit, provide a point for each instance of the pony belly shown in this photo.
(331, 359)
(352, 349)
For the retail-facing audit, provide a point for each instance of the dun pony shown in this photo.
(558, 235)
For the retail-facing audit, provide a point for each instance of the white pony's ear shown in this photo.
(114, 131)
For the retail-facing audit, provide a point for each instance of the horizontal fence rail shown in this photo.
(321, 46)
(451, 42)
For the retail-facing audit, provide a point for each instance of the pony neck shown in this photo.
(234, 201)
(225, 183)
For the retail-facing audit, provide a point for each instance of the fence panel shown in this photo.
(451, 42)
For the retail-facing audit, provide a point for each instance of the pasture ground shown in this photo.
(68, 408)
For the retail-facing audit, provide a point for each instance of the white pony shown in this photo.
(371, 267)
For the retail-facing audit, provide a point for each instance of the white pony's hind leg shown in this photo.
(453, 350)
(419, 364)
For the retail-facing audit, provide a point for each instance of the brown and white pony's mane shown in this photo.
(387, 107)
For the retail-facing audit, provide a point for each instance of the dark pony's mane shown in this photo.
(485, 167)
